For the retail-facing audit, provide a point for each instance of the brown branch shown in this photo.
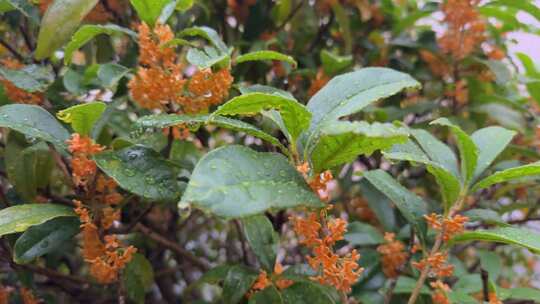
(12, 50)
(291, 15)
(485, 284)
(171, 245)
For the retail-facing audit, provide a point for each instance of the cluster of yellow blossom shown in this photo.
(14, 93)
(393, 255)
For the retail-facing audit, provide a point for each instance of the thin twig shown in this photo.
(12, 50)
(485, 285)
(291, 15)
(172, 246)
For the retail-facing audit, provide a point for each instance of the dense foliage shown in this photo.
(288, 151)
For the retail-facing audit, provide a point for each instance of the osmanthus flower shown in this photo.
(27, 296)
(321, 79)
(465, 28)
(437, 263)
(82, 148)
(437, 64)
(493, 299)
(14, 93)
(4, 294)
(106, 258)
(264, 281)
(450, 225)
(393, 255)
(440, 292)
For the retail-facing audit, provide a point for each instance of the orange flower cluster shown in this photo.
(100, 13)
(27, 296)
(437, 65)
(340, 272)
(4, 294)
(107, 258)
(14, 93)
(496, 54)
(320, 81)
(440, 293)
(437, 264)
(460, 92)
(264, 281)
(451, 225)
(159, 80)
(465, 28)
(320, 184)
(362, 210)
(393, 255)
(493, 299)
(82, 148)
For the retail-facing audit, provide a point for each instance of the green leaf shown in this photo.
(449, 184)
(411, 206)
(42, 239)
(294, 114)
(491, 262)
(208, 57)
(269, 295)
(138, 278)
(214, 275)
(31, 78)
(110, 74)
(58, 24)
(206, 33)
(380, 204)
(525, 6)
(149, 10)
(485, 215)
(508, 235)
(142, 171)
(436, 150)
(469, 283)
(503, 76)
(349, 93)
(334, 64)
(467, 149)
(184, 5)
(235, 181)
(262, 239)
(21, 217)
(169, 120)
(237, 283)
(306, 292)
(34, 122)
(266, 55)
(342, 141)
(26, 8)
(490, 141)
(531, 71)
(508, 175)
(406, 285)
(82, 117)
(361, 234)
(88, 32)
(520, 293)
(27, 167)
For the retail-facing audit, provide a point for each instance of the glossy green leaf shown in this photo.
(59, 23)
(21, 217)
(266, 55)
(31, 78)
(411, 206)
(110, 74)
(437, 151)
(521, 237)
(342, 141)
(206, 33)
(380, 204)
(490, 141)
(306, 292)
(26, 8)
(406, 285)
(349, 93)
(467, 149)
(334, 64)
(490, 262)
(262, 239)
(486, 216)
(531, 71)
(82, 117)
(458, 296)
(88, 32)
(235, 182)
(34, 122)
(142, 171)
(168, 120)
(184, 5)
(215, 275)
(508, 175)
(208, 57)
(520, 293)
(361, 234)
(237, 283)
(149, 10)
(42, 239)
(294, 114)
(469, 283)
(448, 183)
(269, 295)
(138, 278)
(526, 6)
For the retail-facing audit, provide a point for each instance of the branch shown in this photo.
(171, 245)
(485, 285)
(13, 51)
(291, 15)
